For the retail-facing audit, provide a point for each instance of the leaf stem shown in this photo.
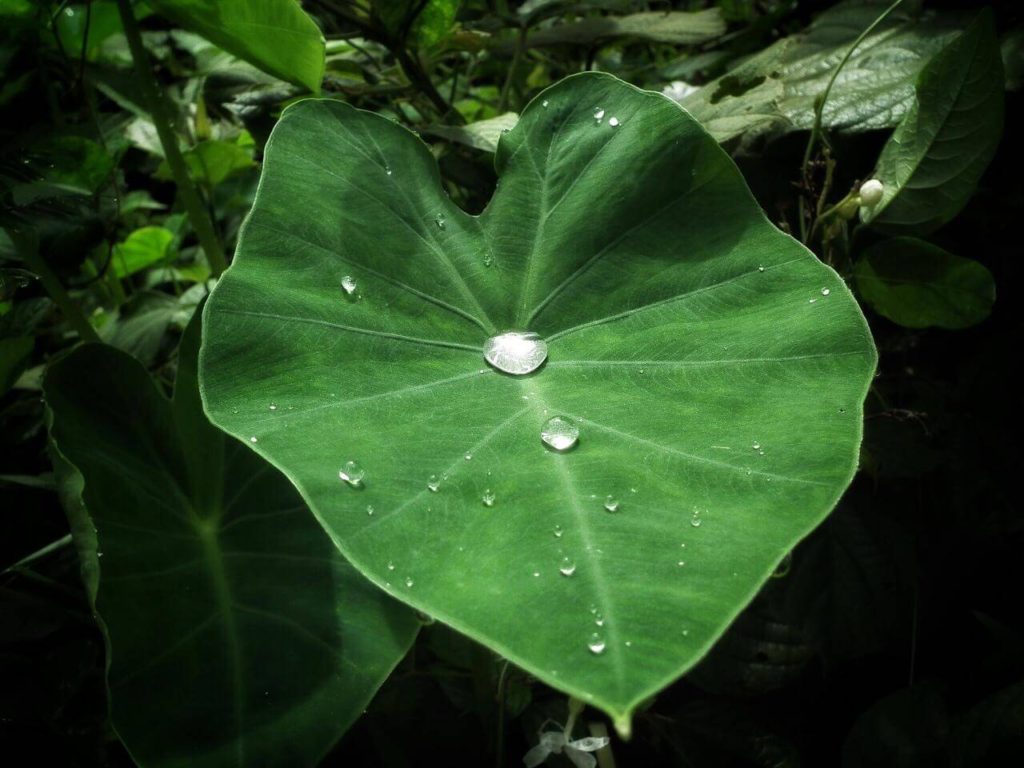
(819, 109)
(197, 214)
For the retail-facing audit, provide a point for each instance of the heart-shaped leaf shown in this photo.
(216, 586)
(714, 368)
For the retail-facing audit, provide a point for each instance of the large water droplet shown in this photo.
(613, 122)
(611, 503)
(516, 352)
(349, 286)
(352, 473)
(559, 434)
(825, 291)
(568, 567)
(433, 483)
(596, 644)
(488, 498)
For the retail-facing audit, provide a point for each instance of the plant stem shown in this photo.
(819, 110)
(28, 249)
(197, 214)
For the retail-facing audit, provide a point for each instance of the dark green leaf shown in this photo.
(918, 285)
(275, 35)
(14, 355)
(934, 159)
(774, 90)
(715, 368)
(217, 588)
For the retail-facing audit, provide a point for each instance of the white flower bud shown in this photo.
(871, 193)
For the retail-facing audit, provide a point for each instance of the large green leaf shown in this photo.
(275, 35)
(715, 368)
(918, 285)
(217, 588)
(774, 91)
(934, 159)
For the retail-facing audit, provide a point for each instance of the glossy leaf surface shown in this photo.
(715, 370)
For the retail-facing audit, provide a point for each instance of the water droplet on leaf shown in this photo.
(488, 498)
(611, 503)
(515, 352)
(596, 644)
(559, 434)
(433, 483)
(352, 473)
(568, 567)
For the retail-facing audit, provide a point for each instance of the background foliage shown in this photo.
(890, 636)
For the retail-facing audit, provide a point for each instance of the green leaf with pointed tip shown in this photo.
(717, 388)
(216, 586)
(918, 284)
(935, 157)
(275, 35)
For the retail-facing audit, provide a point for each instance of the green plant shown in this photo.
(521, 427)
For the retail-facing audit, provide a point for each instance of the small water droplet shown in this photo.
(370, 510)
(681, 563)
(599, 621)
(468, 456)
(515, 352)
(613, 122)
(629, 643)
(536, 574)
(387, 169)
(596, 644)
(408, 581)
(695, 520)
(488, 260)
(598, 114)
(391, 565)
(254, 439)
(273, 407)
(825, 291)
(544, 103)
(440, 221)
(686, 632)
(611, 503)
(488, 498)
(760, 268)
(352, 473)
(558, 531)
(559, 434)
(756, 446)
(568, 567)
(349, 286)
(433, 483)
